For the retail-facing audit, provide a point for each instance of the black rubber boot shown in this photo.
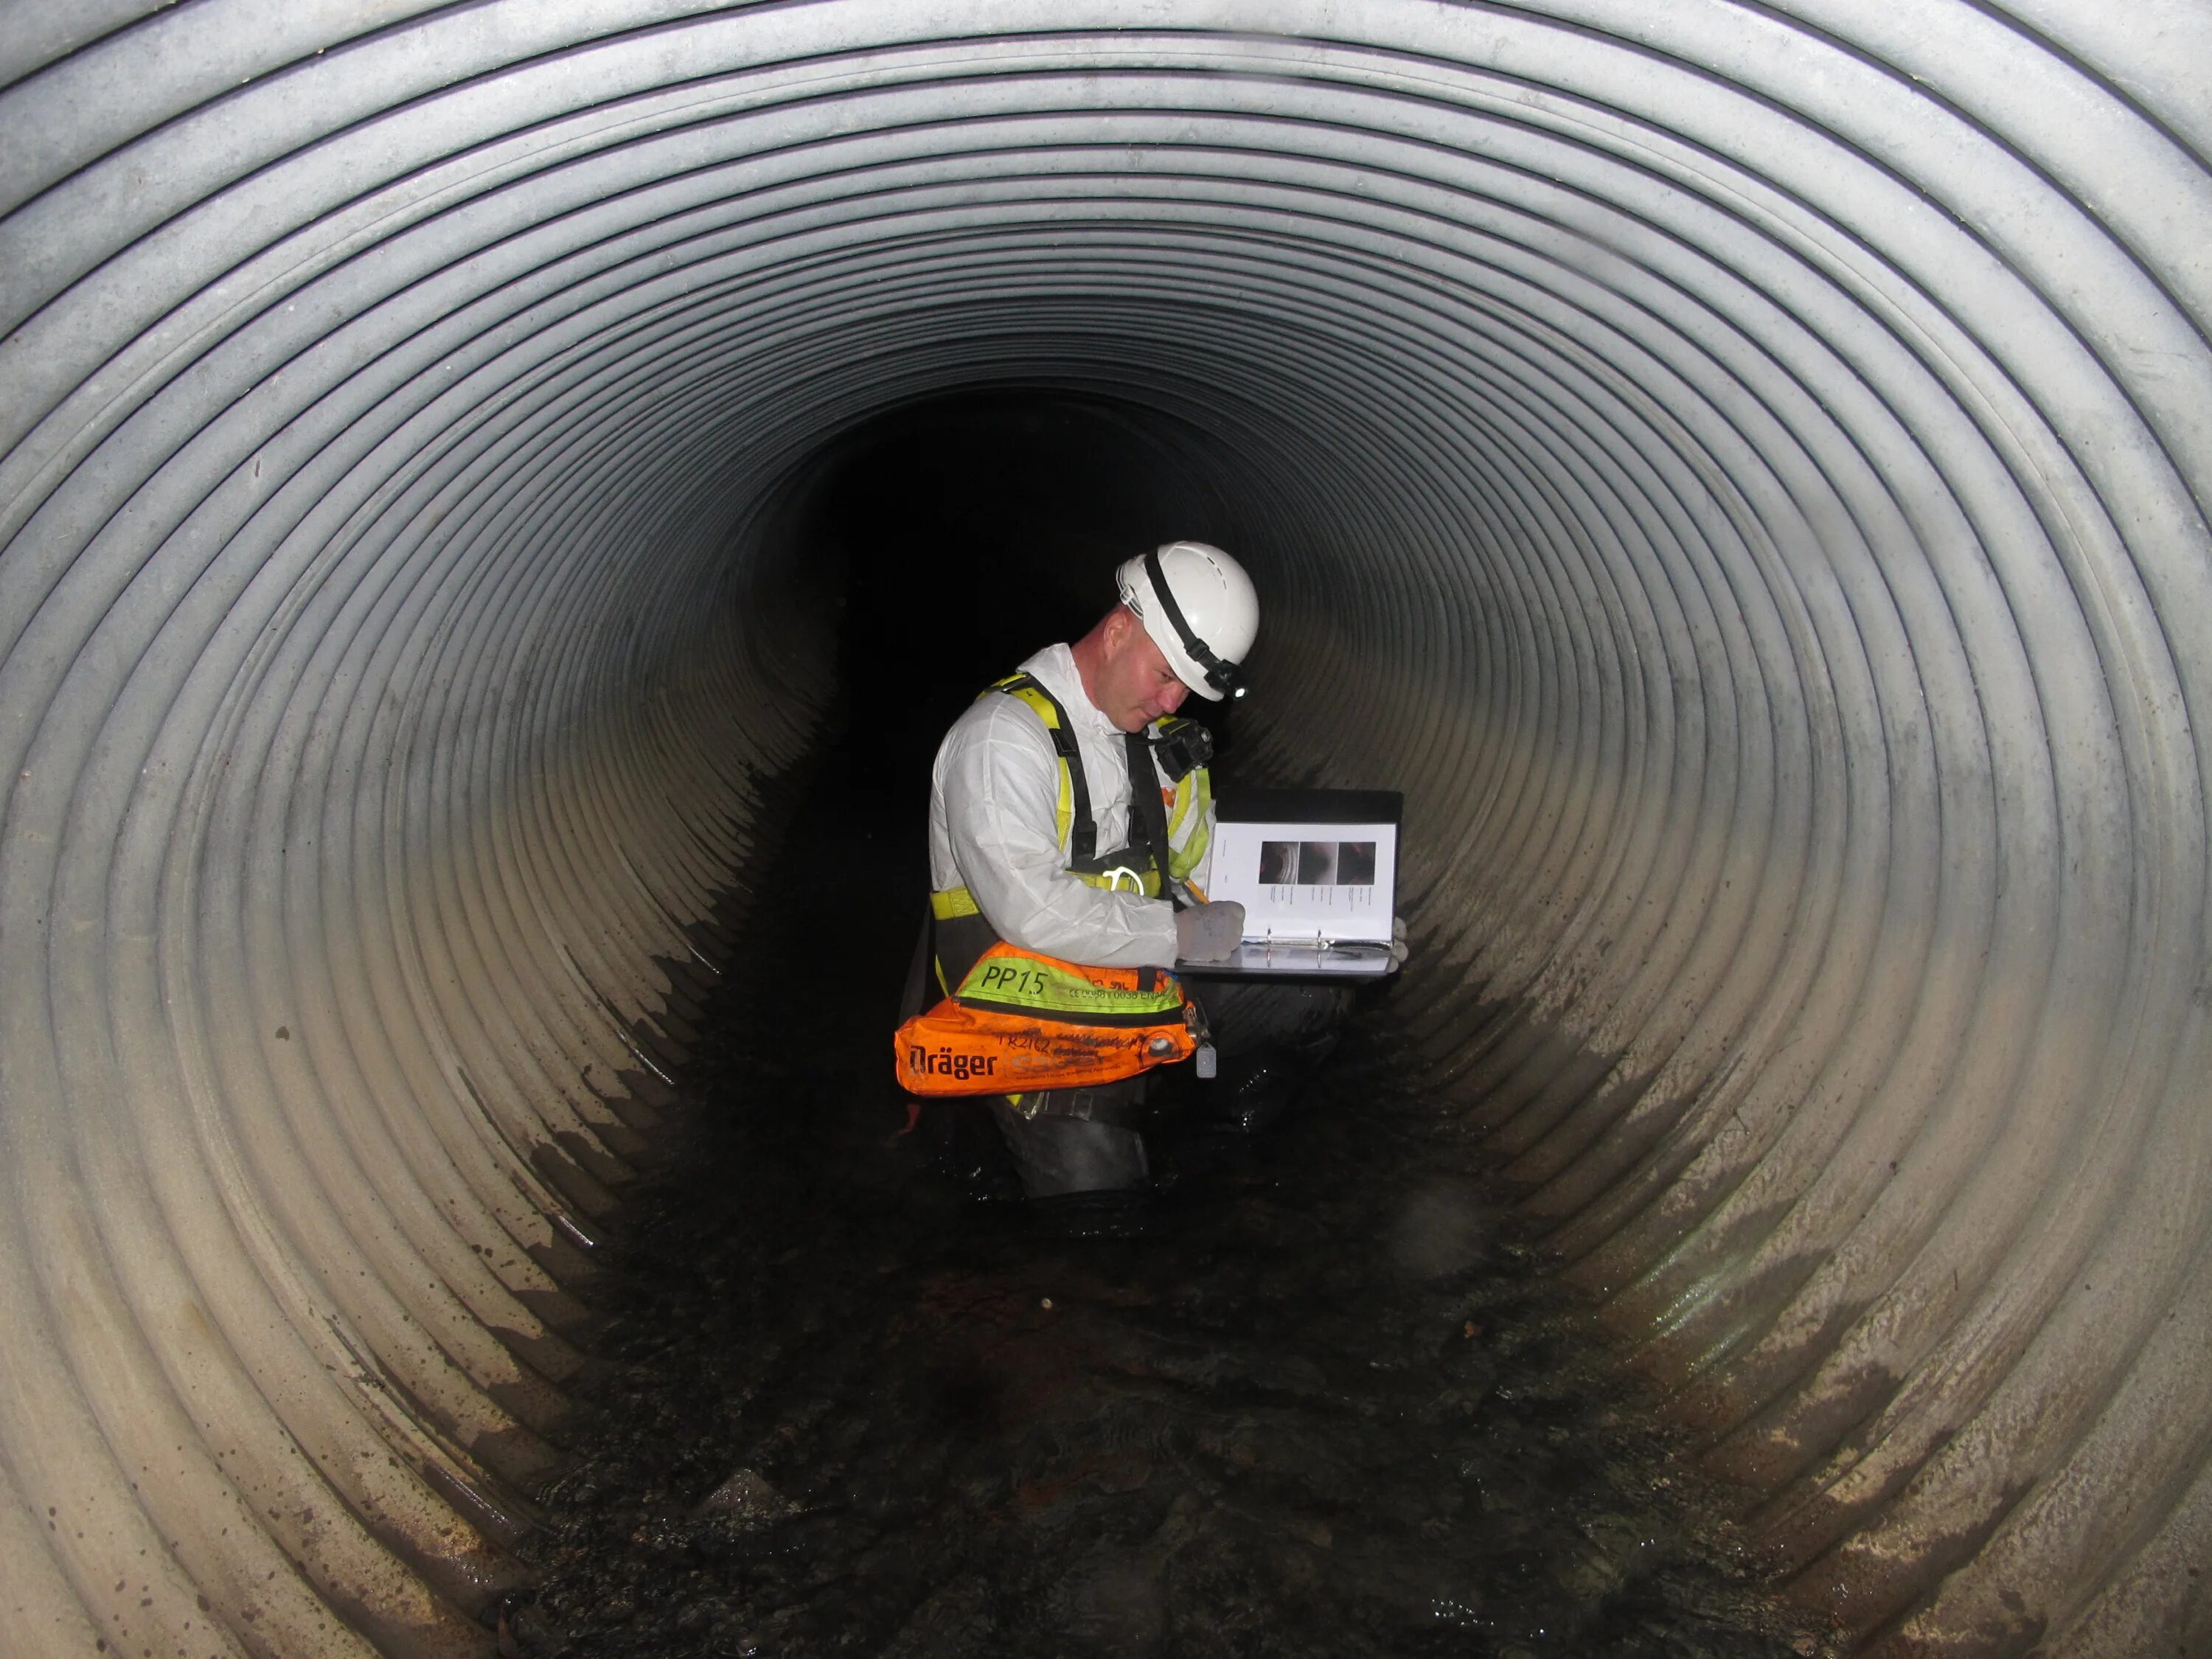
(1062, 1156)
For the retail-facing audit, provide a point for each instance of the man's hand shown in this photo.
(1209, 932)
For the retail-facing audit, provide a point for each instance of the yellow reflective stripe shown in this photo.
(1063, 809)
(1046, 988)
(1182, 860)
(1035, 697)
(953, 903)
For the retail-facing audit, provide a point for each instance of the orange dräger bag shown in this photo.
(1020, 1021)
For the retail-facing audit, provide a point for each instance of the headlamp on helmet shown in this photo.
(1198, 607)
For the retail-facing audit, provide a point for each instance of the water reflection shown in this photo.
(1329, 1405)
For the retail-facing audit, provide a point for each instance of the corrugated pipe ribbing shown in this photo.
(1743, 466)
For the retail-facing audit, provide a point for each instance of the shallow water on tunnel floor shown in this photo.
(1327, 1405)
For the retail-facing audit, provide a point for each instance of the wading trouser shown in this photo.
(1078, 1140)
(1086, 1140)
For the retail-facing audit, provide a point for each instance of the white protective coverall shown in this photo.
(993, 828)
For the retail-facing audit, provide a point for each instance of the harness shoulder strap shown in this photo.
(1147, 811)
(1077, 826)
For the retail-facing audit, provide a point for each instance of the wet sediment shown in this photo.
(1328, 1402)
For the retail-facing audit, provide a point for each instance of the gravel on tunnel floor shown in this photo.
(1330, 1403)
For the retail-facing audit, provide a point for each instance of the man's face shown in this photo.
(1135, 685)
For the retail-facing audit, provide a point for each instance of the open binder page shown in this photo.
(1307, 884)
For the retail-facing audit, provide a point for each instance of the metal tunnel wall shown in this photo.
(1743, 466)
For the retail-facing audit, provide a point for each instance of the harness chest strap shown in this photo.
(1146, 812)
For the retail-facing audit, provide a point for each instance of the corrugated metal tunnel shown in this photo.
(1743, 467)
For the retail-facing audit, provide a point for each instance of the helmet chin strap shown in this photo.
(1221, 675)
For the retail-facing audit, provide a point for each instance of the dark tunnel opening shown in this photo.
(1743, 467)
(973, 529)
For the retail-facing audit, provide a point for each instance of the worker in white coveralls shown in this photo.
(1070, 818)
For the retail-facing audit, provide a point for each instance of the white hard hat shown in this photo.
(1198, 605)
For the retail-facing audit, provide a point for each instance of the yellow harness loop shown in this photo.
(950, 903)
(1029, 691)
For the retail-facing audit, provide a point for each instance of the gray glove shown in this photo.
(1209, 932)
